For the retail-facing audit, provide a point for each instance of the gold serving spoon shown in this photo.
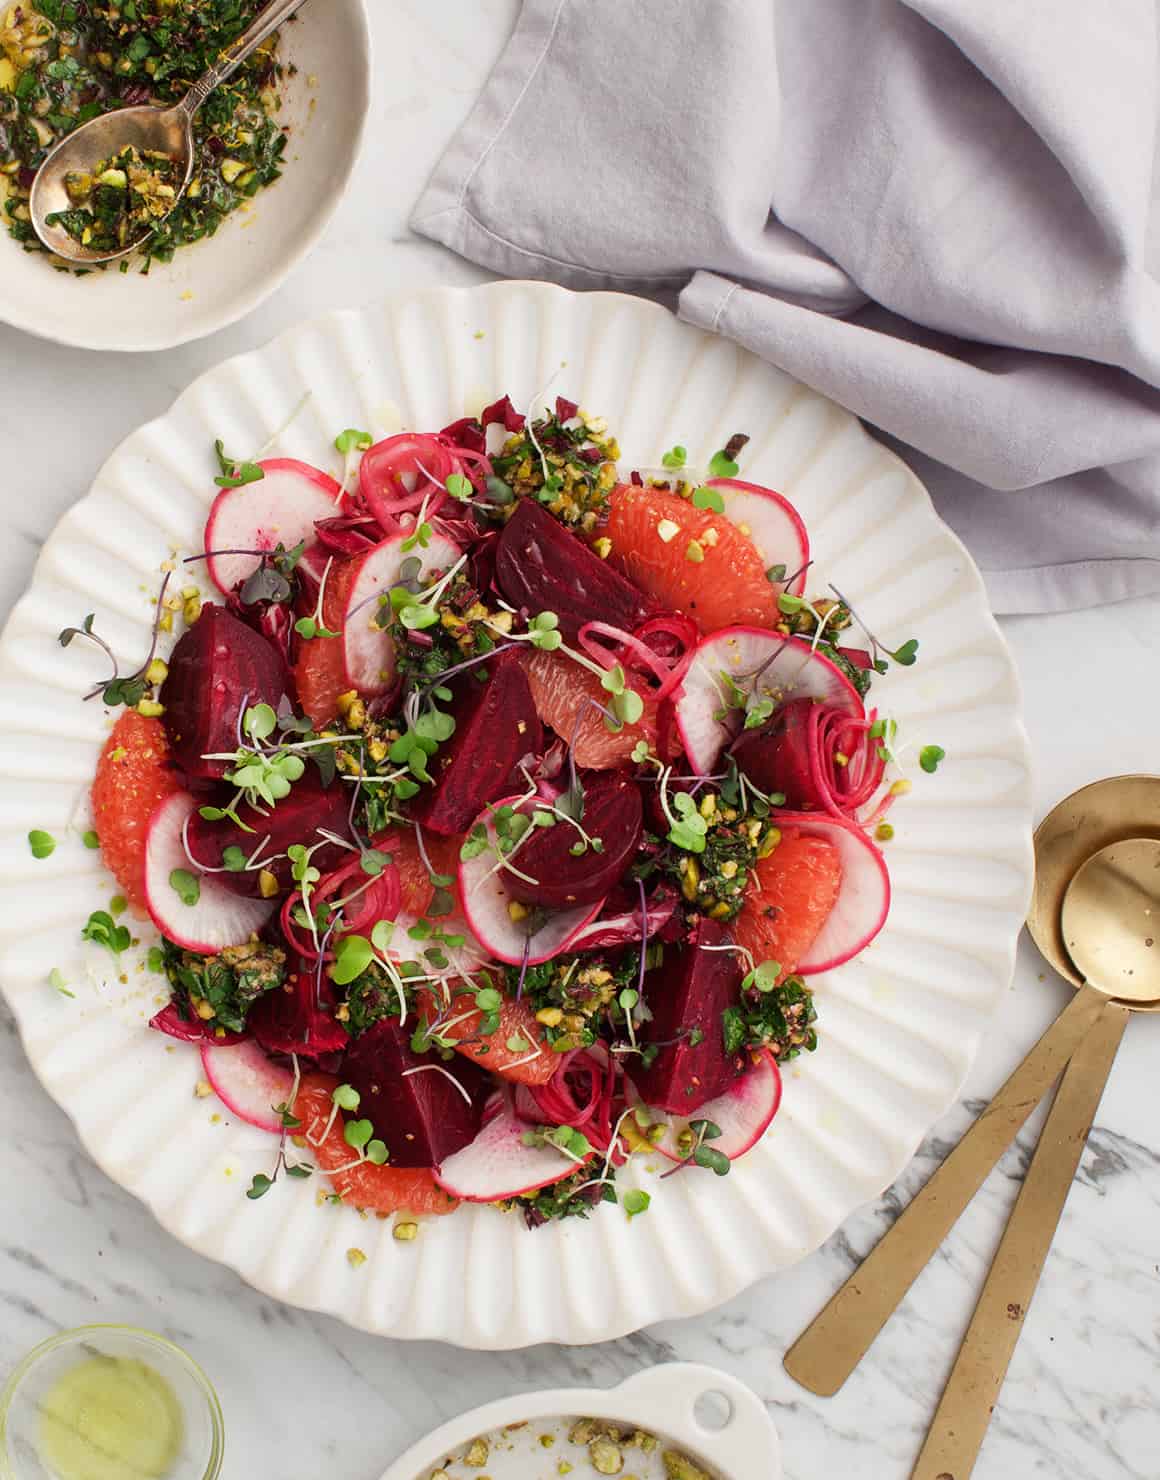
(826, 1353)
(1111, 923)
(148, 129)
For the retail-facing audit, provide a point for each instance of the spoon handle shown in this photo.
(263, 26)
(964, 1412)
(839, 1337)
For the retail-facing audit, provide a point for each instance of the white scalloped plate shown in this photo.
(900, 1026)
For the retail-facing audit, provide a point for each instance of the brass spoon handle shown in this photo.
(839, 1337)
(964, 1412)
(263, 26)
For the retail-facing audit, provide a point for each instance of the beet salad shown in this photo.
(497, 812)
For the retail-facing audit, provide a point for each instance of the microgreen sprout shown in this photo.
(675, 457)
(635, 1202)
(121, 689)
(930, 756)
(905, 655)
(687, 828)
(56, 981)
(102, 929)
(235, 472)
(709, 498)
(41, 844)
(313, 626)
(186, 886)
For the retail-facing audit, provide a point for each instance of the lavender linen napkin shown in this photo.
(942, 213)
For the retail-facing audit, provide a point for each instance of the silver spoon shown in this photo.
(167, 131)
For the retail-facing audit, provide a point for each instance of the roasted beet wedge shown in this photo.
(543, 568)
(614, 814)
(687, 996)
(777, 756)
(496, 725)
(310, 809)
(298, 1017)
(218, 665)
(422, 1109)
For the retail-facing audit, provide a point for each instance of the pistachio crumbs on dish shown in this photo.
(493, 859)
(64, 62)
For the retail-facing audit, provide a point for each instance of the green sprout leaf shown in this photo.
(346, 1097)
(259, 1186)
(721, 465)
(929, 758)
(709, 498)
(636, 1202)
(57, 982)
(357, 1133)
(352, 957)
(42, 844)
(675, 457)
(459, 487)
(352, 440)
(186, 886)
(90, 840)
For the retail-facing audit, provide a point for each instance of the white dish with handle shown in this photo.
(704, 1415)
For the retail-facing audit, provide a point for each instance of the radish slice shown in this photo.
(759, 662)
(743, 1113)
(368, 651)
(497, 1165)
(280, 508)
(247, 1083)
(486, 905)
(863, 901)
(220, 917)
(772, 523)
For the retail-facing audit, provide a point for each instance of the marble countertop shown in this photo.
(305, 1396)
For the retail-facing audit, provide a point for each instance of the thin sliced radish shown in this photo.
(743, 1113)
(279, 509)
(247, 1083)
(863, 900)
(487, 906)
(498, 1165)
(762, 663)
(772, 523)
(368, 651)
(219, 918)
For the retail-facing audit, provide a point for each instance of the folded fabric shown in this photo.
(941, 213)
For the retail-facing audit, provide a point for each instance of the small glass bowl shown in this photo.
(203, 1439)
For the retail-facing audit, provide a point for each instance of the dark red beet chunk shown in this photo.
(614, 814)
(496, 725)
(776, 756)
(421, 1118)
(298, 1017)
(218, 665)
(296, 819)
(687, 995)
(539, 565)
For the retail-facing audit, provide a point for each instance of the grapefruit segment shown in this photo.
(819, 898)
(688, 559)
(320, 667)
(384, 1189)
(569, 700)
(134, 775)
(515, 1051)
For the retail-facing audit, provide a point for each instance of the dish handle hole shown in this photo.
(713, 1411)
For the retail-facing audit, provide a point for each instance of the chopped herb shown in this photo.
(930, 756)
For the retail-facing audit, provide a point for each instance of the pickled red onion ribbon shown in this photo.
(425, 458)
(843, 789)
(666, 672)
(381, 899)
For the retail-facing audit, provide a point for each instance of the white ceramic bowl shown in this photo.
(216, 282)
(670, 1402)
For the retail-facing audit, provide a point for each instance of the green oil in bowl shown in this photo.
(110, 1418)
